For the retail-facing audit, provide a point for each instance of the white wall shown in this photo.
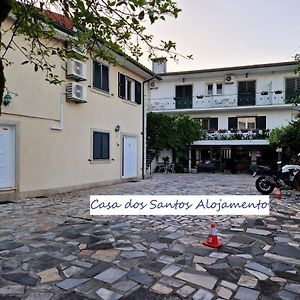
(268, 81)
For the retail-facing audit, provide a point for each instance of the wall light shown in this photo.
(117, 128)
(7, 99)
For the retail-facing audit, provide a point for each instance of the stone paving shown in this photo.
(52, 249)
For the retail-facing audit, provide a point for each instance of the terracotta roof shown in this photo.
(59, 19)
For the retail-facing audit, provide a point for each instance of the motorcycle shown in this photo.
(269, 179)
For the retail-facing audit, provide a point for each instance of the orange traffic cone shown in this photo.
(278, 193)
(212, 240)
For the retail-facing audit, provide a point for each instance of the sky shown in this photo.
(223, 33)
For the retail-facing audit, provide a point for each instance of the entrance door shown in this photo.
(6, 156)
(130, 156)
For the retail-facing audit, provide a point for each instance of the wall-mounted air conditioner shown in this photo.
(229, 79)
(77, 50)
(76, 69)
(76, 92)
(153, 85)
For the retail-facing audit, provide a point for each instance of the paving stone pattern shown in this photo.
(52, 249)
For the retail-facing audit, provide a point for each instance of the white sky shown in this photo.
(221, 33)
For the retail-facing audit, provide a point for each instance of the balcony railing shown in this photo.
(215, 101)
(223, 134)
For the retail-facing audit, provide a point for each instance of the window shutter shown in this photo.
(105, 78)
(96, 145)
(292, 88)
(179, 91)
(261, 122)
(213, 124)
(232, 123)
(105, 146)
(138, 92)
(96, 75)
(122, 85)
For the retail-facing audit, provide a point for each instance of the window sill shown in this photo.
(100, 92)
(129, 102)
(100, 161)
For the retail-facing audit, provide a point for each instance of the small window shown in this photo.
(210, 89)
(247, 123)
(100, 145)
(100, 76)
(130, 89)
(219, 88)
(210, 124)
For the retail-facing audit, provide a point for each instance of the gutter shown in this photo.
(143, 120)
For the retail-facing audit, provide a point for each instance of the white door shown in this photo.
(6, 156)
(130, 156)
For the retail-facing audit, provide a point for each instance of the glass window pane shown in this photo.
(209, 89)
(219, 88)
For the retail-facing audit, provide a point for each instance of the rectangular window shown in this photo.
(219, 88)
(209, 124)
(247, 123)
(210, 89)
(246, 93)
(100, 76)
(292, 89)
(130, 89)
(100, 145)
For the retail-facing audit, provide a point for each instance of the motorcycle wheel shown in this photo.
(263, 186)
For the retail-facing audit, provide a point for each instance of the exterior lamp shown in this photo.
(7, 99)
(117, 128)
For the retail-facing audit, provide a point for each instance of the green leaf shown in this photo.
(25, 62)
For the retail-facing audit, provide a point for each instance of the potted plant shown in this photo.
(264, 93)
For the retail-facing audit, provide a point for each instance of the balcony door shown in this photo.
(246, 93)
(184, 96)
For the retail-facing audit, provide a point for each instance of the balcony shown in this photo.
(244, 134)
(216, 101)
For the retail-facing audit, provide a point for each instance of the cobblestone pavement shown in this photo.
(50, 248)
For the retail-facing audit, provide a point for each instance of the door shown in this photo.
(130, 156)
(184, 96)
(246, 93)
(7, 156)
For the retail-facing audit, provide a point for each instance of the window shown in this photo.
(219, 88)
(100, 145)
(248, 123)
(210, 124)
(210, 89)
(292, 88)
(184, 96)
(246, 93)
(100, 76)
(130, 89)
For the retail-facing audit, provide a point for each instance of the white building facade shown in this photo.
(238, 107)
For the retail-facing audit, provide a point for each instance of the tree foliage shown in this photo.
(287, 137)
(172, 132)
(102, 27)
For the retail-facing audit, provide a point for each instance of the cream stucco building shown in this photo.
(83, 133)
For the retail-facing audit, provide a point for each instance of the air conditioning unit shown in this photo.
(77, 50)
(229, 79)
(76, 69)
(153, 85)
(76, 92)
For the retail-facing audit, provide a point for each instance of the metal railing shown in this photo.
(216, 101)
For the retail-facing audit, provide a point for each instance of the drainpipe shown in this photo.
(143, 124)
(61, 126)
